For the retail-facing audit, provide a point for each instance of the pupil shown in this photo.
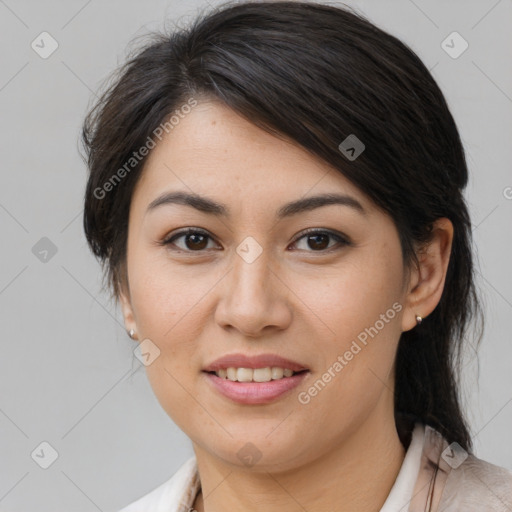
(195, 242)
(315, 237)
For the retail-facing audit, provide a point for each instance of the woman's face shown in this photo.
(252, 282)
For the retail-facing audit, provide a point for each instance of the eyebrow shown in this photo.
(209, 206)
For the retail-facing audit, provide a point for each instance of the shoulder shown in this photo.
(477, 483)
(173, 494)
(453, 480)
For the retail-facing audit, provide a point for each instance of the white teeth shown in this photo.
(244, 374)
(277, 373)
(261, 374)
(257, 375)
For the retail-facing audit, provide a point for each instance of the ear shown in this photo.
(427, 281)
(126, 308)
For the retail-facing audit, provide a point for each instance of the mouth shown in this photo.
(256, 379)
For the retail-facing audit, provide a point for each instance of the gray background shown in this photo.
(67, 372)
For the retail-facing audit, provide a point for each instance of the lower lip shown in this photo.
(255, 392)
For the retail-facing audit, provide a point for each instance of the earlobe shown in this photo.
(427, 286)
(129, 318)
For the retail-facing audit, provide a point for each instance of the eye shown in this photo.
(317, 239)
(195, 240)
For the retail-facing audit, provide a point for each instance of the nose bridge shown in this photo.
(251, 272)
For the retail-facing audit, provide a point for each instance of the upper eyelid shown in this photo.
(339, 237)
(186, 231)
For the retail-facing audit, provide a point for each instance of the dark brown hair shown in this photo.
(314, 74)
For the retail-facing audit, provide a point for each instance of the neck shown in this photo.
(357, 474)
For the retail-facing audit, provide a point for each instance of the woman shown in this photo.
(276, 194)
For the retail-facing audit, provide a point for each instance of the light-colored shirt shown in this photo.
(434, 476)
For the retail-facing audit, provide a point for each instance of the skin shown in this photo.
(341, 451)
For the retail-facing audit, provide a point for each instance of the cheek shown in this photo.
(346, 299)
(358, 313)
(164, 297)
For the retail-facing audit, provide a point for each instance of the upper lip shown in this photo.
(257, 361)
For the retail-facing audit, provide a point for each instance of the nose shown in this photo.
(254, 297)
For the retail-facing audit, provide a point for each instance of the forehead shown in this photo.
(214, 151)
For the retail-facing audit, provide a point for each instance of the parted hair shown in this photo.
(314, 74)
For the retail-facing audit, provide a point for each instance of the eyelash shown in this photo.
(341, 239)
